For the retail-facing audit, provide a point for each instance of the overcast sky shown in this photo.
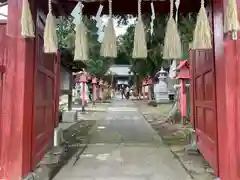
(3, 10)
(119, 29)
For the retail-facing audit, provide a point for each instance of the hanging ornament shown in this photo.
(100, 24)
(50, 34)
(76, 13)
(172, 71)
(81, 42)
(140, 45)
(172, 42)
(231, 23)
(177, 4)
(173, 67)
(109, 43)
(202, 33)
(152, 18)
(27, 24)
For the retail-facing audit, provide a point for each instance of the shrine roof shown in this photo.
(130, 6)
(65, 7)
(183, 63)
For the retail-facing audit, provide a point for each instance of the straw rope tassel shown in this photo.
(81, 42)
(140, 45)
(109, 44)
(50, 34)
(202, 33)
(27, 24)
(172, 42)
(173, 67)
(231, 22)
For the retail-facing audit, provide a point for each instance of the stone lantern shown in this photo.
(161, 89)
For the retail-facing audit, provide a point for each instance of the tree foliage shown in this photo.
(155, 43)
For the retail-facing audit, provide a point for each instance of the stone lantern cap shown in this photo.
(162, 71)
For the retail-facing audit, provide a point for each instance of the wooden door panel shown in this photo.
(208, 86)
(43, 125)
(205, 105)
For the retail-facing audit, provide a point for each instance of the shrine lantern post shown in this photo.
(94, 83)
(101, 89)
(183, 75)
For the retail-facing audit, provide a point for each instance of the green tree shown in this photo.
(155, 42)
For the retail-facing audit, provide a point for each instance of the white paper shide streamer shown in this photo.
(172, 71)
(152, 18)
(100, 24)
(177, 4)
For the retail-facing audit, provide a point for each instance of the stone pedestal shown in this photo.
(69, 116)
(162, 97)
(161, 89)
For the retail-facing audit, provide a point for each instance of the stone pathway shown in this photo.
(123, 146)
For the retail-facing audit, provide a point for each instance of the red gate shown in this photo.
(44, 100)
(204, 113)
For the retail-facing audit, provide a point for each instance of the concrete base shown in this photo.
(69, 116)
(162, 100)
(42, 171)
(162, 97)
(57, 137)
(192, 148)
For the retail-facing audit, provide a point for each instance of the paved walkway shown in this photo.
(124, 147)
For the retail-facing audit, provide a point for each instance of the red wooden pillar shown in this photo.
(223, 88)
(57, 88)
(17, 111)
(83, 80)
